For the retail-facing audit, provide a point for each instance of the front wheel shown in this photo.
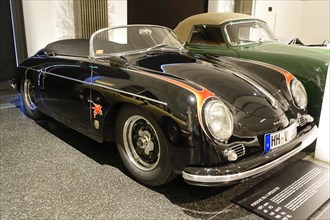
(28, 100)
(143, 147)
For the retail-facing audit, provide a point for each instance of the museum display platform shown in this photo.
(48, 171)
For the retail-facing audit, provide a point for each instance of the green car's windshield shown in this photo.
(248, 32)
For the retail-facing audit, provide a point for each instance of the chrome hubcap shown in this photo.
(144, 142)
(141, 143)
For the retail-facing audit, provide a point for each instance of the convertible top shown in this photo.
(72, 47)
(214, 18)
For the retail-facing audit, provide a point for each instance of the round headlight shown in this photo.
(218, 119)
(299, 93)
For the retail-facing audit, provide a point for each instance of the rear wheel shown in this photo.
(28, 99)
(143, 147)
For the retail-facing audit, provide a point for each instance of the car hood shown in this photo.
(308, 65)
(304, 63)
(279, 48)
(221, 80)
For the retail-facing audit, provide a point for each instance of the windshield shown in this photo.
(249, 32)
(131, 39)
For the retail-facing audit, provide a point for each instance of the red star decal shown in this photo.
(97, 110)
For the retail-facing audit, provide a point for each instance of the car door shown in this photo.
(64, 89)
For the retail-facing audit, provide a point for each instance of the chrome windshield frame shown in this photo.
(91, 40)
(227, 38)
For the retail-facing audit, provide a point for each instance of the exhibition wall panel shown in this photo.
(13, 42)
(322, 151)
(307, 20)
(163, 12)
(283, 17)
(47, 21)
(7, 52)
(316, 22)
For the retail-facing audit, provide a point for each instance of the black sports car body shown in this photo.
(216, 121)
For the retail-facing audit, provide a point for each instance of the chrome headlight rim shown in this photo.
(299, 94)
(209, 123)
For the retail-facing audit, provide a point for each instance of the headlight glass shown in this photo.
(218, 119)
(299, 93)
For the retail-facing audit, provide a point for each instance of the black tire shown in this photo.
(28, 100)
(143, 147)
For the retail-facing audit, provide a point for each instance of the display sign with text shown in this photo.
(295, 192)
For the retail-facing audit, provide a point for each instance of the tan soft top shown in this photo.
(184, 27)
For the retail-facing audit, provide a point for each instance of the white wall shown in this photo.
(307, 20)
(40, 23)
(315, 22)
(284, 19)
(221, 6)
(117, 12)
(47, 21)
(50, 20)
(322, 151)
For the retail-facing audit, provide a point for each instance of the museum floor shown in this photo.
(48, 171)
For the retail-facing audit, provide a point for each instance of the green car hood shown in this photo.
(286, 50)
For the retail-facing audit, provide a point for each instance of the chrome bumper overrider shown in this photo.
(206, 176)
(13, 84)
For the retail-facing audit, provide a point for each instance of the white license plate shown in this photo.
(276, 139)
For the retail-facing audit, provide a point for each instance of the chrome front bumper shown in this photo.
(219, 176)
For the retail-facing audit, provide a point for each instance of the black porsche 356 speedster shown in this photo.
(216, 121)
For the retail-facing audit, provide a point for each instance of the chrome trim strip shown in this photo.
(252, 172)
(268, 95)
(128, 93)
(65, 77)
(101, 86)
(273, 101)
(70, 57)
(13, 30)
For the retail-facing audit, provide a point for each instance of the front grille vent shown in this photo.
(239, 150)
(302, 121)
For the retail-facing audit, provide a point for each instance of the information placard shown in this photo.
(295, 192)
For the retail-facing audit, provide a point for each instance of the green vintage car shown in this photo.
(240, 35)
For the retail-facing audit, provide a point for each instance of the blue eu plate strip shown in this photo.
(267, 146)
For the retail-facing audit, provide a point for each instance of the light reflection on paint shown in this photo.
(192, 99)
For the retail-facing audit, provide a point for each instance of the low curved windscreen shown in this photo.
(248, 32)
(131, 39)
